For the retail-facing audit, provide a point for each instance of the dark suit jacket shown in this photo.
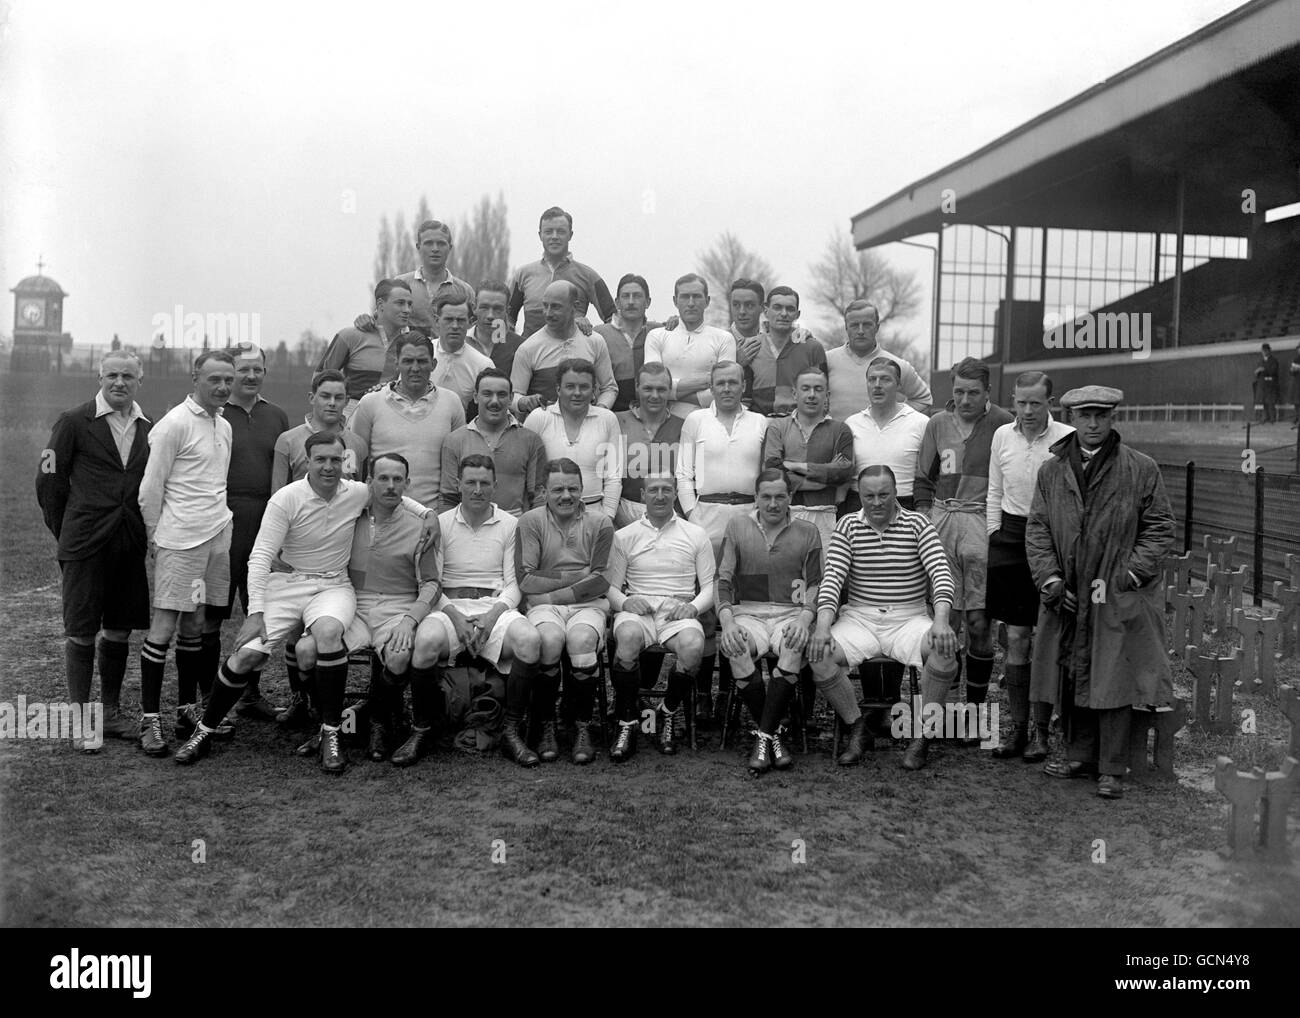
(83, 489)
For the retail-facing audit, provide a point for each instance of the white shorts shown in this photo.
(713, 517)
(895, 631)
(493, 650)
(376, 620)
(293, 600)
(656, 628)
(185, 579)
(566, 616)
(765, 625)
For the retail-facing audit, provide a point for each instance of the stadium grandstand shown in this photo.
(1142, 203)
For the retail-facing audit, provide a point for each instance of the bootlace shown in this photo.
(330, 742)
(778, 749)
(624, 739)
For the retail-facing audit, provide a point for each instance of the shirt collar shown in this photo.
(193, 406)
(494, 339)
(554, 408)
(618, 323)
(493, 517)
(395, 392)
(1046, 427)
(419, 274)
(566, 260)
(741, 412)
(511, 422)
(103, 409)
(645, 522)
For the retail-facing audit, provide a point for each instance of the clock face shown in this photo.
(32, 312)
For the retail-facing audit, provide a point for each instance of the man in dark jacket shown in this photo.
(87, 486)
(1099, 527)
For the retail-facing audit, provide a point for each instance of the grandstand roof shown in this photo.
(1221, 105)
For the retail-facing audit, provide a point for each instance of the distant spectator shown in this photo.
(1268, 377)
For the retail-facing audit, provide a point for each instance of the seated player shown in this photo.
(885, 556)
(476, 612)
(767, 592)
(562, 558)
(660, 580)
(394, 570)
(308, 526)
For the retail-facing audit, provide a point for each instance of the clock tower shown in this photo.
(38, 322)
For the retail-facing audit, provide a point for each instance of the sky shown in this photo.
(236, 158)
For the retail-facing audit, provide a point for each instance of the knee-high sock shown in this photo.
(935, 682)
(291, 669)
(112, 670)
(331, 681)
(428, 705)
(679, 687)
(1040, 713)
(839, 693)
(627, 683)
(225, 691)
(751, 693)
(1016, 678)
(584, 693)
(189, 662)
(519, 687)
(704, 677)
(779, 692)
(153, 659)
(978, 671)
(211, 661)
(80, 660)
(650, 666)
(546, 687)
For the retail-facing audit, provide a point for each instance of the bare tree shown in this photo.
(384, 252)
(483, 242)
(726, 261)
(422, 213)
(844, 275)
(405, 257)
(310, 347)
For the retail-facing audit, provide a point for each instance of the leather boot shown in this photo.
(548, 747)
(583, 750)
(860, 742)
(1013, 743)
(332, 760)
(295, 714)
(917, 751)
(624, 747)
(419, 744)
(781, 757)
(1038, 746)
(513, 746)
(760, 759)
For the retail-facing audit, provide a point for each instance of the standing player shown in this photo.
(256, 426)
(528, 288)
(411, 416)
(433, 241)
(847, 365)
(325, 413)
(767, 595)
(308, 526)
(477, 610)
(625, 336)
(691, 349)
(571, 428)
(88, 488)
(562, 561)
(368, 358)
(952, 483)
(458, 363)
(887, 433)
(535, 373)
(491, 334)
(183, 504)
(1015, 454)
(651, 439)
(784, 352)
(666, 565)
(815, 452)
(495, 432)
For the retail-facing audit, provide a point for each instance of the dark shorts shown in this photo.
(247, 513)
(1011, 596)
(109, 590)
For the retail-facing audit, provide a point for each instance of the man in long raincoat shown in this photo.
(1099, 527)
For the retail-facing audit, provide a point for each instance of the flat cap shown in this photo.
(1090, 397)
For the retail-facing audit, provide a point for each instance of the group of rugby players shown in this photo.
(484, 477)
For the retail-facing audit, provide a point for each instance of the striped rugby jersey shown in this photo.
(887, 568)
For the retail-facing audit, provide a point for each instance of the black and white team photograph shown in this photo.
(652, 465)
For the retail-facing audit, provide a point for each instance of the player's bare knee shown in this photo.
(689, 649)
(306, 652)
(397, 663)
(329, 635)
(582, 640)
(116, 635)
(552, 643)
(524, 641)
(629, 641)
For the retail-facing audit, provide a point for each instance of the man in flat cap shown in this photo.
(1098, 528)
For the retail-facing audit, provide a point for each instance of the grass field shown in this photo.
(111, 839)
